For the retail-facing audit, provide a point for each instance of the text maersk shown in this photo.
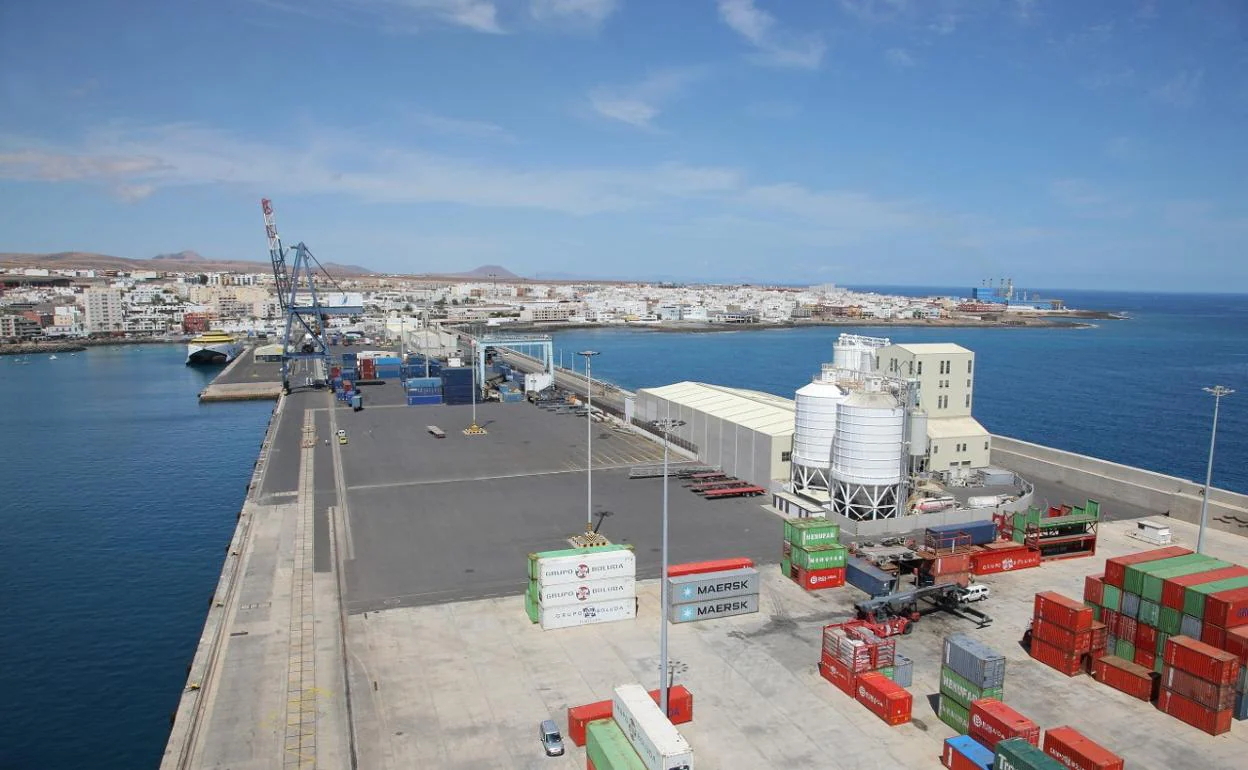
(697, 588)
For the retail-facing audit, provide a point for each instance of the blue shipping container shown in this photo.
(1241, 707)
(948, 535)
(977, 753)
(416, 399)
(868, 578)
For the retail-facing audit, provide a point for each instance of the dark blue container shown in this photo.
(868, 578)
(416, 399)
(949, 535)
(1240, 711)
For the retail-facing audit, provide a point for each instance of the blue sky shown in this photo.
(1066, 144)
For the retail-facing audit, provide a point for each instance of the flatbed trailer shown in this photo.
(720, 494)
(709, 485)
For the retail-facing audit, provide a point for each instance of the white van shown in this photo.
(973, 593)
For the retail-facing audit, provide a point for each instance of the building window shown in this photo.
(920, 367)
(912, 368)
(968, 400)
(785, 456)
(935, 449)
(969, 366)
(985, 446)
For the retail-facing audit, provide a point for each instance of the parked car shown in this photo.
(975, 593)
(551, 740)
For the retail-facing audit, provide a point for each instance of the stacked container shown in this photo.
(607, 748)
(885, 698)
(1139, 623)
(970, 671)
(992, 721)
(652, 735)
(1065, 632)
(423, 390)
(1020, 754)
(812, 554)
(952, 535)
(457, 385)
(1198, 684)
(707, 595)
(1078, 752)
(388, 367)
(581, 586)
(855, 659)
(943, 568)
(679, 711)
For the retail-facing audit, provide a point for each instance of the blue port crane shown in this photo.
(301, 303)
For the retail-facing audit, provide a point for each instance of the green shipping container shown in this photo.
(1018, 754)
(1125, 649)
(810, 532)
(819, 556)
(530, 607)
(1152, 581)
(1161, 642)
(1019, 535)
(1149, 613)
(608, 748)
(1194, 597)
(786, 567)
(886, 671)
(960, 689)
(1096, 610)
(1134, 580)
(1169, 620)
(1111, 597)
(954, 714)
(534, 558)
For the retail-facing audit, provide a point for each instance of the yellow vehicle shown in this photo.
(342, 436)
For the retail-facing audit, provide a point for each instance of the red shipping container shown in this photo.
(1145, 636)
(1100, 635)
(943, 565)
(1094, 588)
(1116, 568)
(1212, 696)
(1078, 752)
(1172, 589)
(1191, 712)
(1110, 619)
(1146, 657)
(992, 562)
(717, 565)
(1063, 611)
(589, 764)
(884, 698)
(1236, 643)
(992, 721)
(955, 760)
(960, 578)
(1067, 663)
(1228, 609)
(838, 674)
(1206, 662)
(1124, 676)
(816, 579)
(1128, 627)
(1073, 642)
(679, 708)
(1213, 636)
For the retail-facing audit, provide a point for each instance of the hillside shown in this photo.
(183, 261)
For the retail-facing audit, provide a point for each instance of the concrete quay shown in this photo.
(245, 379)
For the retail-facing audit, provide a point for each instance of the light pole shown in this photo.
(664, 425)
(589, 441)
(1217, 391)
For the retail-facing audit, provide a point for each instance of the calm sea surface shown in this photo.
(121, 491)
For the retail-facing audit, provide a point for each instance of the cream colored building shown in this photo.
(946, 376)
(104, 311)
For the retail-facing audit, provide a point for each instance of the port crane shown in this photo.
(300, 301)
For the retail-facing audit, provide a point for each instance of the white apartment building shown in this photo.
(104, 310)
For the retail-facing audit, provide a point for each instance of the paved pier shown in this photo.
(245, 379)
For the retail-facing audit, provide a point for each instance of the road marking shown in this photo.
(428, 482)
(301, 691)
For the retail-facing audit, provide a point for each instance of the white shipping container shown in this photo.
(592, 565)
(586, 592)
(587, 614)
(659, 744)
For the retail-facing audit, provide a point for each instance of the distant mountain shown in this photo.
(182, 261)
(488, 271)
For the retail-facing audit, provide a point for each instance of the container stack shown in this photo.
(423, 390)
(945, 566)
(813, 556)
(1075, 750)
(388, 367)
(457, 385)
(1064, 633)
(716, 593)
(679, 711)
(1198, 684)
(971, 671)
(855, 659)
(1020, 754)
(991, 722)
(581, 586)
(654, 740)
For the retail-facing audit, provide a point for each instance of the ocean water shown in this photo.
(120, 496)
(1127, 391)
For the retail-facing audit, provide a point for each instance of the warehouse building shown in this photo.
(745, 433)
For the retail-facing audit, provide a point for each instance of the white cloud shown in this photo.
(583, 13)
(776, 47)
(1180, 90)
(398, 16)
(640, 103)
(476, 129)
(132, 193)
(899, 57)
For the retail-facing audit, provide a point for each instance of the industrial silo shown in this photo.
(867, 456)
(813, 431)
(856, 353)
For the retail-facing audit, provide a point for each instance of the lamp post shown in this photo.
(1217, 391)
(589, 440)
(666, 426)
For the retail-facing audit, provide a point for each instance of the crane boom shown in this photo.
(277, 254)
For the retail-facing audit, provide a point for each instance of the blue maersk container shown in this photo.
(868, 578)
(975, 752)
(948, 535)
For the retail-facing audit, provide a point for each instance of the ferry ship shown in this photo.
(213, 347)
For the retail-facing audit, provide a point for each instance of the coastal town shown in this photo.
(81, 304)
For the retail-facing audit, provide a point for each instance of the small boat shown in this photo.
(52, 357)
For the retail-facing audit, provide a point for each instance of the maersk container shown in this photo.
(949, 535)
(713, 585)
(659, 744)
(715, 608)
(868, 578)
(588, 614)
(583, 592)
(607, 747)
(974, 661)
(1019, 754)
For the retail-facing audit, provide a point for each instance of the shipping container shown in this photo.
(1125, 676)
(946, 565)
(1227, 609)
(1169, 620)
(1195, 597)
(1073, 642)
(972, 533)
(588, 565)
(1173, 589)
(953, 714)
(993, 562)
(606, 746)
(818, 579)
(1130, 605)
(818, 556)
(962, 752)
(1240, 712)
(839, 674)
(963, 691)
(659, 744)
(816, 530)
(1128, 628)
(1236, 643)
(583, 592)
(1111, 597)
(1093, 588)
(1194, 714)
(701, 567)
(1018, 754)
(885, 698)
(588, 614)
(1056, 658)
(1115, 568)
(1212, 696)
(1190, 626)
(974, 661)
(868, 578)
(531, 609)
(701, 587)
(1213, 635)
(1062, 611)
(992, 721)
(714, 608)
(1154, 580)
(1206, 662)
(1079, 752)
(418, 399)
(1150, 612)
(1125, 649)
(679, 708)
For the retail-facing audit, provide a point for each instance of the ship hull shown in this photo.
(211, 355)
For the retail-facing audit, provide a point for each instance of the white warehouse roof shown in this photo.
(751, 409)
(954, 427)
(932, 348)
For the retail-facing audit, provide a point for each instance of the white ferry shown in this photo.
(213, 347)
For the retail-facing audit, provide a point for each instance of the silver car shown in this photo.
(551, 740)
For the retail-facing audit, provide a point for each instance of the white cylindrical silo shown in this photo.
(918, 432)
(813, 431)
(867, 445)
